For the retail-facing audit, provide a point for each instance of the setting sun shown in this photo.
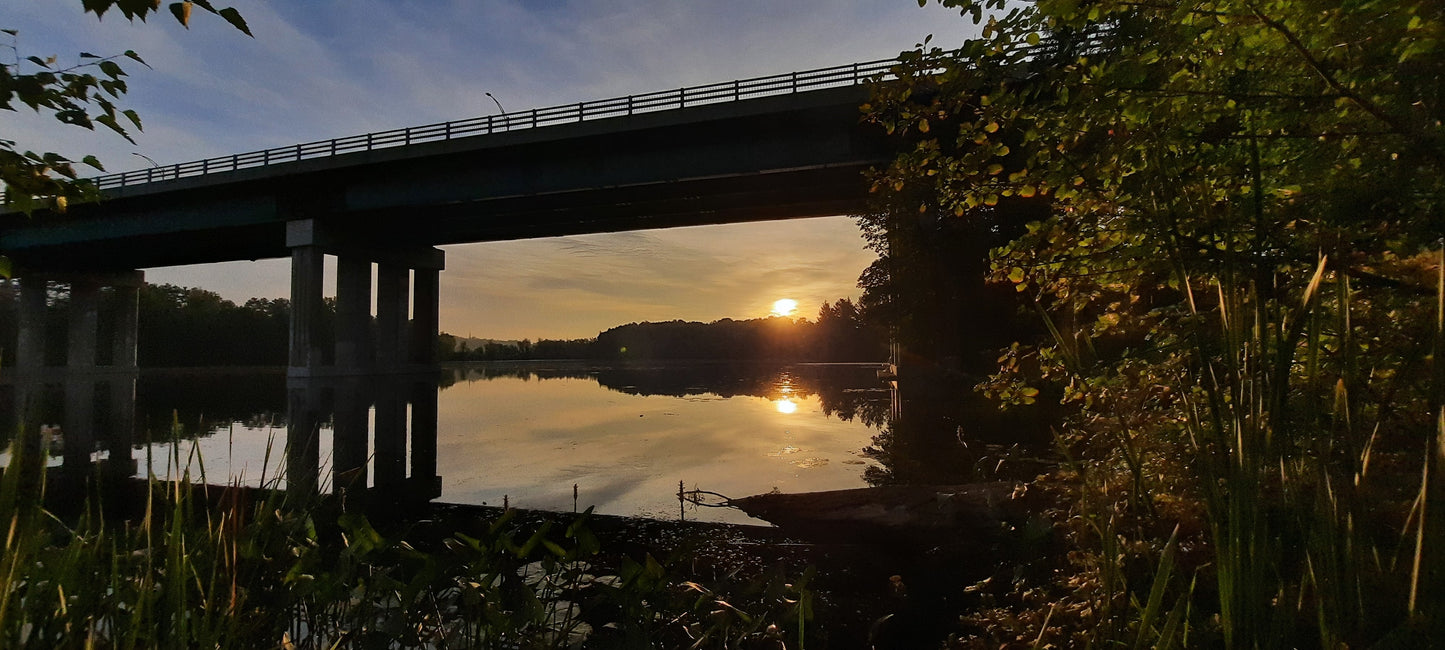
(785, 307)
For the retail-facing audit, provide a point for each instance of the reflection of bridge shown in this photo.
(397, 456)
(777, 147)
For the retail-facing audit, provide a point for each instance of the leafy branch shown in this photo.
(83, 95)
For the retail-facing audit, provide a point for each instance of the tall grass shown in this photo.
(200, 566)
(1273, 413)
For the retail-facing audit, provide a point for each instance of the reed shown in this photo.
(1274, 399)
(201, 566)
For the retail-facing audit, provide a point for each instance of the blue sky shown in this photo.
(327, 68)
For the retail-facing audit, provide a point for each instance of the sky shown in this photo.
(327, 68)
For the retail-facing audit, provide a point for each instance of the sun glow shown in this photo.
(785, 406)
(785, 307)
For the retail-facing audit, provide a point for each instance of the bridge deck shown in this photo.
(778, 147)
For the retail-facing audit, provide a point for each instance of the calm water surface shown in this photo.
(531, 431)
(626, 449)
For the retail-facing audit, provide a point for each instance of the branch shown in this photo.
(1314, 64)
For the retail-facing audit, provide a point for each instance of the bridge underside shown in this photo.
(774, 158)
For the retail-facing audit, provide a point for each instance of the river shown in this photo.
(529, 432)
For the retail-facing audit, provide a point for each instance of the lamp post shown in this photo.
(499, 104)
(147, 158)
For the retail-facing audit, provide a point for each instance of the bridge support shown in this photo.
(30, 340)
(392, 307)
(83, 330)
(406, 328)
(80, 345)
(83, 372)
(353, 313)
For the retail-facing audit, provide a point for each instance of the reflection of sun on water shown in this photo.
(785, 307)
(786, 406)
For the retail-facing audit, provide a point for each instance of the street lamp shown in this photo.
(147, 158)
(499, 104)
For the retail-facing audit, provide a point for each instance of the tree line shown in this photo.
(840, 333)
(179, 326)
(188, 326)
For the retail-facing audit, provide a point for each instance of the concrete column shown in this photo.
(306, 309)
(30, 344)
(424, 439)
(84, 324)
(127, 326)
(426, 321)
(392, 302)
(353, 313)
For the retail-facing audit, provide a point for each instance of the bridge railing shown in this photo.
(730, 91)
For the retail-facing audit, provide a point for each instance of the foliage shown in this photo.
(84, 94)
(184, 326)
(1236, 277)
(201, 566)
(839, 334)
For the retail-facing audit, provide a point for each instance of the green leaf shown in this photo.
(130, 54)
(6, 269)
(134, 118)
(93, 161)
(112, 69)
(109, 121)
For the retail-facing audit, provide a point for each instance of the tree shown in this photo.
(1236, 267)
(83, 94)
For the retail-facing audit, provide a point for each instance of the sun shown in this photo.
(784, 307)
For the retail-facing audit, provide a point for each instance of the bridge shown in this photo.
(778, 147)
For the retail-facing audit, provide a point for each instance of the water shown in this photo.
(529, 432)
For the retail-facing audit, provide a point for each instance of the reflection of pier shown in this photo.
(395, 453)
(384, 360)
(83, 412)
(384, 428)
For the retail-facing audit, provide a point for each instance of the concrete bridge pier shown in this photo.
(407, 304)
(83, 317)
(82, 372)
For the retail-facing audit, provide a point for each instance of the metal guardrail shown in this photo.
(730, 91)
